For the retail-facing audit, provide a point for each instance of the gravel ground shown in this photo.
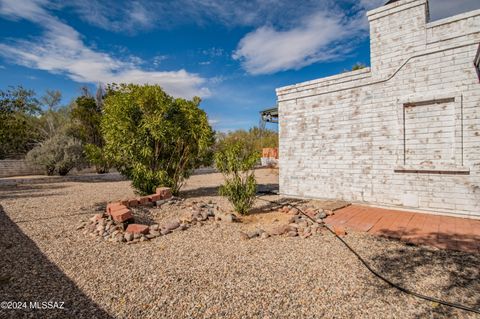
(207, 271)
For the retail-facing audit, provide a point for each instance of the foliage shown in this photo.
(236, 162)
(358, 66)
(96, 156)
(58, 154)
(255, 139)
(86, 116)
(153, 138)
(18, 121)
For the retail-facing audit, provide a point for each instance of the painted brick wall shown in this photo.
(17, 168)
(405, 132)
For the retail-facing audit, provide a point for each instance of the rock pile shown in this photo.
(104, 226)
(298, 224)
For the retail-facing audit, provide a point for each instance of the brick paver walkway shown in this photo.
(440, 231)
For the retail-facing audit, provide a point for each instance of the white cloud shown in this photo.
(321, 38)
(122, 16)
(61, 50)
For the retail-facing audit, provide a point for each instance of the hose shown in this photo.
(373, 271)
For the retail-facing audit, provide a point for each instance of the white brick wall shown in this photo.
(346, 136)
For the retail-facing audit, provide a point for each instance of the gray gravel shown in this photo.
(208, 271)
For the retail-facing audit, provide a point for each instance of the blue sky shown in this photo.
(231, 53)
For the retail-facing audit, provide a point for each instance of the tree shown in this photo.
(86, 118)
(153, 138)
(18, 121)
(236, 162)
(255, 139)
(358, 66)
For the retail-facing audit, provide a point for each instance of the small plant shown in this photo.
(236, 163)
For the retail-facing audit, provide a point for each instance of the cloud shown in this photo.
(440, 9)
(320, 38)
(61, 50)
(372, 4)
(120, 16)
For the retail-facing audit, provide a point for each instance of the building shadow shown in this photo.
(458, 272)
(27, 275)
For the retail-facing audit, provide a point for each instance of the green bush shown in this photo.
(97, 157)
(58, 155)
(236, 163)
(152, 138)
(19, 111)
(86, 117)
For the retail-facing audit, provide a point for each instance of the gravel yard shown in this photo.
(207, 271)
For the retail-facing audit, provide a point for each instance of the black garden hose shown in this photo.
(373, 271)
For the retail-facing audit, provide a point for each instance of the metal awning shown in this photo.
(270, 115)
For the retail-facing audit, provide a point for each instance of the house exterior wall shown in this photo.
(405, 132)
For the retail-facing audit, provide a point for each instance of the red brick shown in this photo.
(132, 202)
(142, 200)
(164, 192)
(311, 212)
(124, 202)
(137, 229)
(121, 215)
(154, 197)
(114, 206)
(339, 230)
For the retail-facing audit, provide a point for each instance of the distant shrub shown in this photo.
(236, 163)
(255, 139)
(58, 155)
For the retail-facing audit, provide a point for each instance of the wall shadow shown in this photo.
(27, 275)
(452, 276)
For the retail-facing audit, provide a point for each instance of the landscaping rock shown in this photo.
(244, 236)
(128, 237)
(278, 230)
(154, 227)
(164, 232)
(292, 234)
(96, 218)
(264, 235)
(321, 215)
(137, 229)
(155, 233)
(339, 230)
(171, 225)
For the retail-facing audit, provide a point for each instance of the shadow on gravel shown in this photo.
(29, 191)
(453, 276)
(27, 275)
(213, 190)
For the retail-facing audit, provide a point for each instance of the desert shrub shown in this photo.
(152, 138)
(86, 117)
(236, 163)
(58, 155)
